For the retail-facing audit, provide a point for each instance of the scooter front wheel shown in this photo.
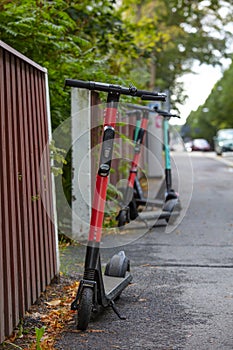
(85, 308)
(122, 218)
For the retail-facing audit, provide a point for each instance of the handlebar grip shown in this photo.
(165, 113)
(140, 108)
(154, 98)
(78, 83)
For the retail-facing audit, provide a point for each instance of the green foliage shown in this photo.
(39, 334)
(72, 39)
(114, 196)
(57, 157)
(148, 43)
(113, 193)
(43, 31)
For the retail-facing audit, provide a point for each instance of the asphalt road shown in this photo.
(182, 291)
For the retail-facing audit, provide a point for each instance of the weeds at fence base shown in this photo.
(46, 319)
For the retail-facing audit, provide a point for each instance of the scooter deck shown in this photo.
(157, 215)
(150, 202)
(114, 285)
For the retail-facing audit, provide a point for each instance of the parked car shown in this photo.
(197, 145)
(223, 141)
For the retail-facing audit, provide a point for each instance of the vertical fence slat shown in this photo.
(12, 186)
(47, 184)
(43, 176)
(19, 297)
(6, 218)
(24, 193)
(24, 275)
(44, 166)
(2, 287)
(2, 300)
(35, 135)
(32, 200)
(27, 177)
(49, 210)
(11, 194)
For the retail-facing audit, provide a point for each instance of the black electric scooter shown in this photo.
(129, 206)
(95, 290)
(170, 199)
(139, 198)
(133, 194)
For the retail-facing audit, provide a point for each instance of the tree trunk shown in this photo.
(152, 73)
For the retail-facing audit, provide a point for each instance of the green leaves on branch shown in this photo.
(72, 39)
(57, 156)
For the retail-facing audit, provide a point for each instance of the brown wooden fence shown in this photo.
(27, 233)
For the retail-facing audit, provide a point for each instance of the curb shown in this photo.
(222, 160)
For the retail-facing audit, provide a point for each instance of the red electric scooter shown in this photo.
(95, 290)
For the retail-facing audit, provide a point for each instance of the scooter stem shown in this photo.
(138, 140)
(168, 176)
(98, 205)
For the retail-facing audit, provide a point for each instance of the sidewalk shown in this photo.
(181, 296)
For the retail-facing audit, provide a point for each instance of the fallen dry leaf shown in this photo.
(54, 302)
(56, 315)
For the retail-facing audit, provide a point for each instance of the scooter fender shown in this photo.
(170, 204)
(118, 265)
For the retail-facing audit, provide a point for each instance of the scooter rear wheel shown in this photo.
(133, 213)
(85, 308)
(118, 265)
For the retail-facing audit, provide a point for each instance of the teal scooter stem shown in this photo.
(170, 196)
(168, 176)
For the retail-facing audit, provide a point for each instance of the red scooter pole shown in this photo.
(137, 151)
(99, 199)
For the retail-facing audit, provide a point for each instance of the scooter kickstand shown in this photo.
(113, 306)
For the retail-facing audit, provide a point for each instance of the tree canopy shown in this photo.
(170, 35)
(69, 38)
(147, 43)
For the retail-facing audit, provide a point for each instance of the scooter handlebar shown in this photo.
(131, 90)
(133, 112)
(165, 113)
(140, 108)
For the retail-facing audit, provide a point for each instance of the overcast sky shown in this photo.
(198, 87)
